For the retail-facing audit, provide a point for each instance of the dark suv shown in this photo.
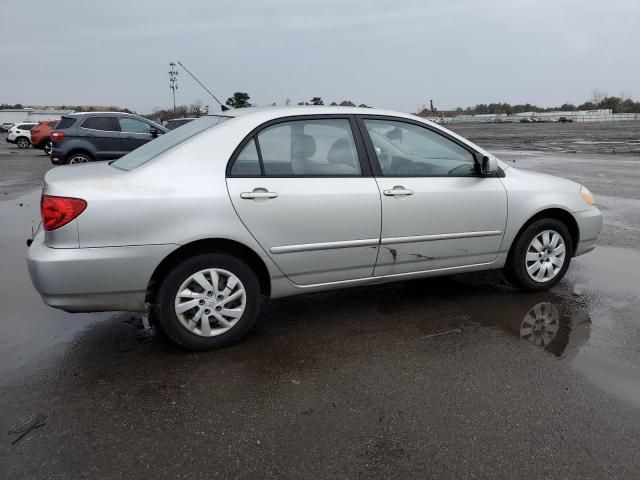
(91, 136)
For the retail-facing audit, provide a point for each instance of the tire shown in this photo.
(78, 157)
(181, 317)
(23, 142)
(47, 146)
(547, 263)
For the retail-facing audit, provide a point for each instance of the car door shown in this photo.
(437, 211)
(102, 132)
(134, 133)
(304, 190)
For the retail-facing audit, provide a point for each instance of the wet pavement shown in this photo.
(450, 377)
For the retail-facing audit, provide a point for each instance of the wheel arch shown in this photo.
(209, 245)
(556, 213)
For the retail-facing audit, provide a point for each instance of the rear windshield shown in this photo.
(65, 122)
(166, 141)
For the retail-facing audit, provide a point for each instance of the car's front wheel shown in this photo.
(540, 255)
(208, 301)
(23, 142)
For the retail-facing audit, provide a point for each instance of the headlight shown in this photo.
(587, 196)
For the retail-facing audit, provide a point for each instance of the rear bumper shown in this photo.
(10, 140)
(94, 279)
(589, 225)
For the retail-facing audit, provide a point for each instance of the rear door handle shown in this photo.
(398, 190)
(258, 193)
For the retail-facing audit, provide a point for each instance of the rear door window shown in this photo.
(99, 123)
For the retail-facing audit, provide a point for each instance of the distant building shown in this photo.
(31, 115)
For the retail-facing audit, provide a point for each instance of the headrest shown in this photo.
(304, 146)
(341, 152)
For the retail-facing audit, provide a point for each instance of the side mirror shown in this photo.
(154, 132)
(486, 165)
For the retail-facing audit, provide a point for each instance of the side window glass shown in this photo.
(98, 123)
(405, 149)
(131, 125)
(313, 148)
(247, 164)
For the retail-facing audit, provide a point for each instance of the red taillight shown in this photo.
(58, 211)
(57, 136)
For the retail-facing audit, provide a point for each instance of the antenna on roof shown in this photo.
(222, 106)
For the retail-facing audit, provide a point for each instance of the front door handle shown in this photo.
(398, 190)
(258, 193)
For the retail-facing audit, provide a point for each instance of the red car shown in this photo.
(41, 135)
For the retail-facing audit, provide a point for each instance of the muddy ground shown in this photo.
(423, 379)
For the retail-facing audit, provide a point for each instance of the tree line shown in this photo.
(599, 100)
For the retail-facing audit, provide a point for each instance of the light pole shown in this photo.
(173, 82)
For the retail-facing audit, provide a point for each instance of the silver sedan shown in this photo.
(203, 223)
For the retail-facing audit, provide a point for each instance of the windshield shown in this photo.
(166, 141)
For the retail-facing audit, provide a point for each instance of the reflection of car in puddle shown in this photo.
(559, 325)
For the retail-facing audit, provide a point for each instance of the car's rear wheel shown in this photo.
(78, 157)
(47, 147)
(540, 255)
(23, 142)
(208, 301)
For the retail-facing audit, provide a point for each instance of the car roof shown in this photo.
(182, 118)
(290, 110)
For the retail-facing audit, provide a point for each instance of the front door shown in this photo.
(303, 191)
(437, 211)
(135, 133)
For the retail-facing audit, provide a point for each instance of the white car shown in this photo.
(201, 224)
(20, 134)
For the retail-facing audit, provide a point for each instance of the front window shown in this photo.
(150, 150)
(132, 125)
(406, 149)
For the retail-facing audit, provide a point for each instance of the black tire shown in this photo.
(78, 157)
(516, 269)
(47, 146)
(23, 142)
(164, 308)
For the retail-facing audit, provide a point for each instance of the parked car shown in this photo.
(202, 224)
(20, 134)
(5, 126)
(41, 135)
(174, 123)
(91, 136)
(565, 119)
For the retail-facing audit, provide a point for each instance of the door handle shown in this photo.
(258, 193)
(398, 190)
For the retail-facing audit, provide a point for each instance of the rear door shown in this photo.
(134, 133)
(437, 211)
(102, 132)
(303, 189)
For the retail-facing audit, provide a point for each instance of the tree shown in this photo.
(239, 100)
(316, 101)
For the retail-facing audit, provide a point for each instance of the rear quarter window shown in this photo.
(65, 122)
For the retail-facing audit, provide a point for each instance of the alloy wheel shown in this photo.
(79, 159)
(47, 147)
(22, 143)
(545, 256)
(210, 302)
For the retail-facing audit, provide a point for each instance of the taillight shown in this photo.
(57, 136)
(58, 211)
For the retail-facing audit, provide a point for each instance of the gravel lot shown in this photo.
(421, 379)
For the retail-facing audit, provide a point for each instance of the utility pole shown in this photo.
(173, 82)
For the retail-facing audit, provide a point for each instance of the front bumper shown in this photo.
(94, 279)
(10, 140)
(589, 225)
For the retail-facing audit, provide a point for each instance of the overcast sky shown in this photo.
(392, 54)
